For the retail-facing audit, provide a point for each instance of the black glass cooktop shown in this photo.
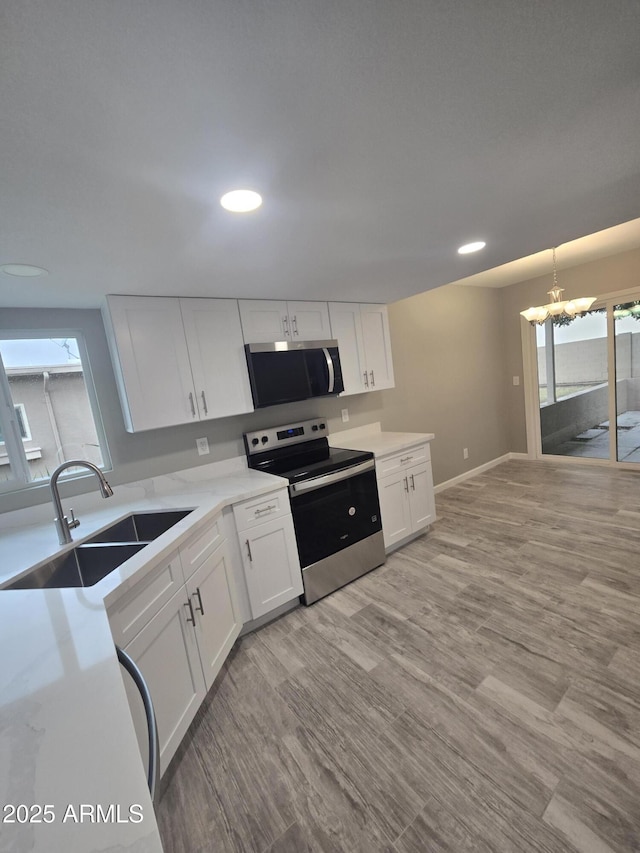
(306, 462)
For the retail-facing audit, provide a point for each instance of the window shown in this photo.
(46, 378)
(23, 425)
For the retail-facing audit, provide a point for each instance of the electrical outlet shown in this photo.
(345, 416)
(203, 446)
(516, 380)
(465, 452)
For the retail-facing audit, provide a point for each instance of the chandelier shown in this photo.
(558, 307)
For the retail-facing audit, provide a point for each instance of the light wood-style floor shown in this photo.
(480, 692)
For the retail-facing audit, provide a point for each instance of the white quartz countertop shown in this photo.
(380, 443)
(66, 734)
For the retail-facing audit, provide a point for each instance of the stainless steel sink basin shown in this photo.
(85, 565)
(94, 559)
(141, 526)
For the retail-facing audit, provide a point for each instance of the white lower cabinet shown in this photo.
(181, 645)
(217, 625)
(269, 552)
(405, 489)
(394, 508)
(166, 651)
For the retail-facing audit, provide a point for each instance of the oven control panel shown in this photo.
(281, 436)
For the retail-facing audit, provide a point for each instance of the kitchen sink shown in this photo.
(140, 526)
(93, 560)
(85, 565)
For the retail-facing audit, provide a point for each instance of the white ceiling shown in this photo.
(381, 133)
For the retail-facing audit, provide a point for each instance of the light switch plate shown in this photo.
(203, 446)
(345, 416)
(516, 380)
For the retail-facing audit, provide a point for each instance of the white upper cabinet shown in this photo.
(346, 327)
(377, 346)
(309, 321)
(267, 321)
(151, 361)
(216, 352)
(362, 332)
(176, 360)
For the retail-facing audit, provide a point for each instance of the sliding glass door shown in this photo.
(627, 383)
(573, 387)
(588, 377)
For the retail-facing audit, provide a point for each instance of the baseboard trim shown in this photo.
(254, 624)
(455, 481)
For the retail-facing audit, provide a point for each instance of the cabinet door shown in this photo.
(167, 653)
(421, 500)
(216, 351)
(264, 321)
(272, 568)
(151, 361)
(346, 327)
(377, 346)
(212, 594)
(394, 507)
(309, 321)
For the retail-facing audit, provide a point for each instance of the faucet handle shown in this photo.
(75, 522)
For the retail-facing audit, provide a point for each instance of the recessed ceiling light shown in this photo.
(23, 270)
(241, 201)
(471, 247)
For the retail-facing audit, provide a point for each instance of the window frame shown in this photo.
(14, 443)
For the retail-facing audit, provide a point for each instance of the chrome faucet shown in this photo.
(62, 523)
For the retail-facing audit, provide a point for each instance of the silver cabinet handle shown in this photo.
(294, 323)
(413, 484)
(199, 604)
(366, 379)
(193, 405)
(406, 459)
(285, 325)
(264, 509)
(204, 403)
(373, 381)
(249, 552)
(191, 618)
(406, 485)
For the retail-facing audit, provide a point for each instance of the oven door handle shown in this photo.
(332, 375)
(328, 479)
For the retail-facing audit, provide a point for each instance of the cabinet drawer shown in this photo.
(201, 545)
(252, 512)
(129, 615)
(400, 461)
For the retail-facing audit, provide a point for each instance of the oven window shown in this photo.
(333, 517)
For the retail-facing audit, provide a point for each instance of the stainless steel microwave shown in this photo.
(286, 371)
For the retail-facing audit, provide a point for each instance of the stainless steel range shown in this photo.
(334, 502)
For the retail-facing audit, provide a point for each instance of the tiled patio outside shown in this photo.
(594, 443)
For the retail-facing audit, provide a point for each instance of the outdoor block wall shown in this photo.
(585, 362)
